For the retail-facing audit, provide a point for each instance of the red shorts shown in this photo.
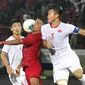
(33, 71)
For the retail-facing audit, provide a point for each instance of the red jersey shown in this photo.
(31, 49)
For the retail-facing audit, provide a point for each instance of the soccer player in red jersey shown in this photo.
(31, 48)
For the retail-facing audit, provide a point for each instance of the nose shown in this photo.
(18, 28)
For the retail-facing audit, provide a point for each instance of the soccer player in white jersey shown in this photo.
(55, 37)
(14, 53)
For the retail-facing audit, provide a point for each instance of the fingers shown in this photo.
(10, 70)
(18, 72)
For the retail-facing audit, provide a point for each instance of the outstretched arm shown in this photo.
(27, 40)
(12, 42)
(81, 32)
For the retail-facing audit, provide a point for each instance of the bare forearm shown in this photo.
(12, 42)
(82, 32)
(4, 60)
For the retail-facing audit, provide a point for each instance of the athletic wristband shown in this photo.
(3, 42)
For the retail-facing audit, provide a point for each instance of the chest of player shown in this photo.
(55, 33)
(16, 48)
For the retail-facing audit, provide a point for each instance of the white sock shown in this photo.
(83, 79)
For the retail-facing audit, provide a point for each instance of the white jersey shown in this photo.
(59, 37)
(14, 53)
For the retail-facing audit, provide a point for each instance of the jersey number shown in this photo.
(52, 36)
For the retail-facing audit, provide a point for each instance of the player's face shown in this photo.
(37, 25)
(52, 16)
(16, 28)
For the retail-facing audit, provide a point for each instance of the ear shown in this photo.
(11, 29)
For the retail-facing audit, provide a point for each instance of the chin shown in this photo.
(49, 21)
(17, 33)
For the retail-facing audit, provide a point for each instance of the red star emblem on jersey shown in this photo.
(59, 30)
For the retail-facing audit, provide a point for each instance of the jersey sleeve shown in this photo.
(6, 48)
(43, 33)
(72, 29)
(28, 40)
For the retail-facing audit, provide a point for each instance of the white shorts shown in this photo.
(21, 80)
(69, 62)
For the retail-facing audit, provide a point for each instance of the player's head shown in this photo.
(16, 27)
(38, 23)
(53, 14)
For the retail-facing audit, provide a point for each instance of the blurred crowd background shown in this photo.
(73, 11)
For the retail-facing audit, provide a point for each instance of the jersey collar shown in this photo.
(55, 26)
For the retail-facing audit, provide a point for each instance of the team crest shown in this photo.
(59, 30)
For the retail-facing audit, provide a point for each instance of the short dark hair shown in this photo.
(14, 21)
(41, 17)
(56, 8)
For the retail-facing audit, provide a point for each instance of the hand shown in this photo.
(18, 71)
(9, 70)
(49, 45)
(2, 42)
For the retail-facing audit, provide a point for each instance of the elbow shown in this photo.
(3, 55)
(45, 43)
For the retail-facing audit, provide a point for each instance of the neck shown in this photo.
(35, 32)
(55, 23)
(16, 36)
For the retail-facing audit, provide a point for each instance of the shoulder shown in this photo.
(67, 25)
(10, 38)
(64, 24)
(45, 26)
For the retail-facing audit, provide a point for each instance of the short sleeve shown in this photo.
(43, 33)
(6, 48)
(69, 28)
